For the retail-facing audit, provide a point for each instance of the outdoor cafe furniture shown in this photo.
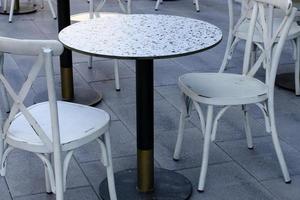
(15, 4)
(95, 13)
(144, 39)
(238, 32)
(52, 127)
(225, 90)
(196, 2)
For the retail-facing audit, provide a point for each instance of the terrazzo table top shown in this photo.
(140, 36)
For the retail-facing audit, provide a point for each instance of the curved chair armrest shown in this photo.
(29, 47)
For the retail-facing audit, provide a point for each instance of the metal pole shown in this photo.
(145, 125)
(66, 70)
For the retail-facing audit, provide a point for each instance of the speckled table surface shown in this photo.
(140, 36)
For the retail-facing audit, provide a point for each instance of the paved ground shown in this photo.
(234, 171)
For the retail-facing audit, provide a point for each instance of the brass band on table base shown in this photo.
(67, 87)
(146, 170)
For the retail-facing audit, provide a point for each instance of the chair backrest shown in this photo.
(273, 39)
(95, 12)
(43, 50)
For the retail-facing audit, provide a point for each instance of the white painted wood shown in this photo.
(52, 127)
(224, 89)
(239, 31)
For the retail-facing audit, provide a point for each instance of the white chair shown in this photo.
(226, 90)
(12, 5)
(196, 2)
(95, 13)
(52, 127)
(238, 32)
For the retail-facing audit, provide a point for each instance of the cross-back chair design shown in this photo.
(96, 12)
(49, 128)
(195, 2)
(12, 6)
(225, 90)
(238, 32)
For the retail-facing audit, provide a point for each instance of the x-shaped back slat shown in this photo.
(18, 104)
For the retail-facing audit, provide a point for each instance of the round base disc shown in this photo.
(286, 81)
(85, 96)
(23, 10)
(168, 185)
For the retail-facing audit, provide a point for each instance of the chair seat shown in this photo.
(242, 31)
(79, 124)
(223, 88)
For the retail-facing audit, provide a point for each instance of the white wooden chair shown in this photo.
(52, 127)
(12, 5)
(196, 2)
(95, 13)
(226, 90)
(238, 32)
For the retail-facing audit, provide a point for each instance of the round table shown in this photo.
(143, 38)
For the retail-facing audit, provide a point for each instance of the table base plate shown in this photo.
(21, 11)
(168, 185)
(85, 96)
(286, 81)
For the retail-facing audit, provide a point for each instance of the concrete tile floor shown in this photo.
(234, 171)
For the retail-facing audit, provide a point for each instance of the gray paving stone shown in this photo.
(191, 153)
(102, 70)
(5, 195)
(85, 193)
(283, 190)
(25, 174)
(166, 117)
(96, 172)
(262, 162)
(122, 141)
(227, 181)
(125, 96)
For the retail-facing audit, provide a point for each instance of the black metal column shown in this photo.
(145, 124)
(67, 87)
(147, 182)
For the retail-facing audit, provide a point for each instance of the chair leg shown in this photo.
(276, 142)
(5, 5)
(247, 127)
(3, 93)
(11, 12)
(229, 46)
(4, 155)
(117, 78)
(109, 169)
(178, 145)
(297, 67)
(47, 179)
(90, 62)
(58, 170)
(157, 4)
(206, 146)
(52, 9)
(197, 5)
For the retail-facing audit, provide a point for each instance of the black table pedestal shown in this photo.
(147, 183)
(168, 185)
